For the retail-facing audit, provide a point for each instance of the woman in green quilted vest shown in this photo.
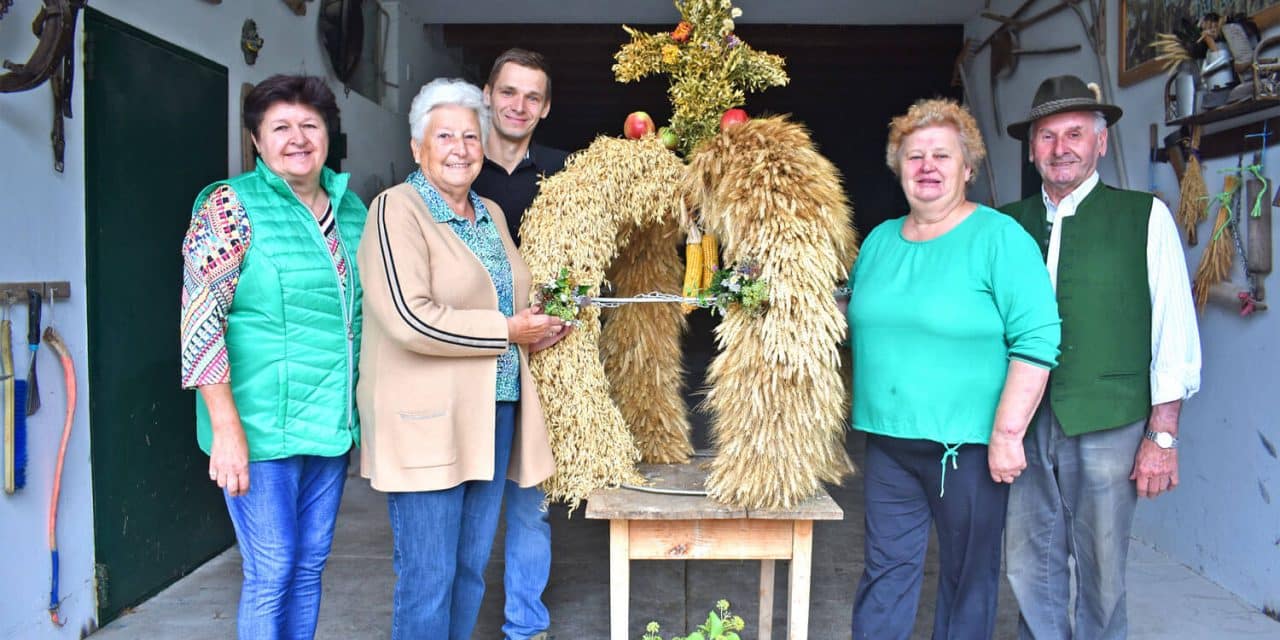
(270, 337)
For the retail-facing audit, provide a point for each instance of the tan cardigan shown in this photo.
(429, 355)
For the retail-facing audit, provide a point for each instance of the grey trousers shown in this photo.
(1076, 500)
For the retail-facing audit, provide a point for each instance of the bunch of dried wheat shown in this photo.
(1215, 261)
(616, 196)
(641, 345)
(778, 405)
(1193, 201)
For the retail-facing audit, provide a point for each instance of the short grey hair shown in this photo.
(443, 92)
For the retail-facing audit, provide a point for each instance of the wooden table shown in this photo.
(655, 526)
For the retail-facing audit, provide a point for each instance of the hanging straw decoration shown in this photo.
(1194, 196)
(1215, 262)
(614, 205)
(640, 345)
(779, 408)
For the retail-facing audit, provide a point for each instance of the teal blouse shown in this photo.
(934, 324)
(484, 240)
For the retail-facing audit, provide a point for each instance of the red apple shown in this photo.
(638, 125)
(732, 117)
(669, 138)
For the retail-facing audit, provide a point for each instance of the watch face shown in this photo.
(1164, 440)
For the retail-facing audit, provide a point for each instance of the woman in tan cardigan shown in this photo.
(448, 408)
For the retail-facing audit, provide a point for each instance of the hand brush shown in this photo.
(15, 475)
(33, 344)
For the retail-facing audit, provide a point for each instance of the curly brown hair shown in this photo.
(936, 112)
(309, 91)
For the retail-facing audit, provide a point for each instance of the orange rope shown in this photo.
(59, 347)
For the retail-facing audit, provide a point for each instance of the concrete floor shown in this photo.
(1166, 600)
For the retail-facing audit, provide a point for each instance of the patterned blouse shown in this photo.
(484, 240)
(212, 254)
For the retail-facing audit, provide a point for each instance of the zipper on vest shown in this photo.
(348, 315)
(346, 292)
(348, 312)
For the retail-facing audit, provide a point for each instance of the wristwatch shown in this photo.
(1163, 439)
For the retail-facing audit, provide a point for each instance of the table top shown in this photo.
(649, 503)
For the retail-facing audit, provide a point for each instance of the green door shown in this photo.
(155, 134)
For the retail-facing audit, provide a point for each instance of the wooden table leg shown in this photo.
(798, 583)
(766, 600)
(619, 578)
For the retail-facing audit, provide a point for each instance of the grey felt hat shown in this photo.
(1061, 94)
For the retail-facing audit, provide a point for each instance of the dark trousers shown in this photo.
(903, 480)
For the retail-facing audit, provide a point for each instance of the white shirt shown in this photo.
(1175, 337)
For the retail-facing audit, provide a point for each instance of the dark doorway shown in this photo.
(847, 82)
(155, 134)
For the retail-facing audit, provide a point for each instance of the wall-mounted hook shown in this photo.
(14, 292)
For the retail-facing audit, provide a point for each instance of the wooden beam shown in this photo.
(16, 292)
(710, 539)
(619, 579)
(798, 582)
(765, 623)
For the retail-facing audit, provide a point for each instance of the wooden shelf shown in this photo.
(1223, 130)
(1229, 116)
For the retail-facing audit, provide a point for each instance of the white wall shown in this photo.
(42, 238)
(1220, 521)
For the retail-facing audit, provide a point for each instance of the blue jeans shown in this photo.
(1074, 499)
(284, 526)
(442, 544)
(528, 562)
(903, 480)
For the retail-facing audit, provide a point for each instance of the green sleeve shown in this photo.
(1025, 298)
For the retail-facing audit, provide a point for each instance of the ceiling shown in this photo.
(843, 12)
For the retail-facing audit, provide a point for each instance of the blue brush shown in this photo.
(19, 434)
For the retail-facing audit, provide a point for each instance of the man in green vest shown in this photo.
(1106, 432)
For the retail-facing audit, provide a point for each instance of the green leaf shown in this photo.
(714, 626)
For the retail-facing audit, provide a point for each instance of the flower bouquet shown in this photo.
(560, 297)
(739, 284)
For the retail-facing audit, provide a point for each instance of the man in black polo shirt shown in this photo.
(518, 94)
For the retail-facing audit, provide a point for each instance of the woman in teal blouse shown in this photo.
(954, 328)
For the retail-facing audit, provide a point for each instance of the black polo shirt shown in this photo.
(514, 192)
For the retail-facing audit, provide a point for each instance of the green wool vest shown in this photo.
(293, 337)
(1103, 378)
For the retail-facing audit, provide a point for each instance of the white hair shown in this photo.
(1099, 122)
(444, 92)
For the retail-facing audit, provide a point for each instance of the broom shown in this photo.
(1215, 262)
(1194, 193)
(13, 392)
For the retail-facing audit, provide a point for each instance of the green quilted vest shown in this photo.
(293, 337)
(1103, 379)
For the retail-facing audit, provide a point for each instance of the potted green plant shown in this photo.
(721, 624)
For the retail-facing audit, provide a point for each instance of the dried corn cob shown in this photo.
(710, 258)
(692, 266)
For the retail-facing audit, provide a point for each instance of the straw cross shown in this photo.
(710, 68)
